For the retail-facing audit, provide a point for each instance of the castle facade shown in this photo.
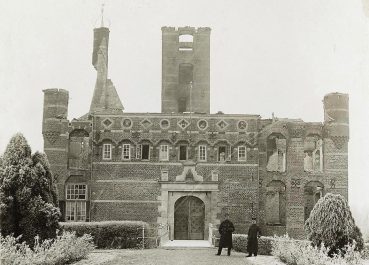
(184, 167)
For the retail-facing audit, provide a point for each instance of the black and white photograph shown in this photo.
(160, 132)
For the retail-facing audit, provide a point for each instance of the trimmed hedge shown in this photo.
(113, 234)
(265, 243)
(240, 244)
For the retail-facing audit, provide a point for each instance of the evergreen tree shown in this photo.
(331, 222)
(27, 193)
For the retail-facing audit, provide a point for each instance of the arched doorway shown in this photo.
(189, 218)
(313, 191)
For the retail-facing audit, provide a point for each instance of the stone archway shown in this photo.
(189, 218)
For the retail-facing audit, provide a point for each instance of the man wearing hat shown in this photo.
(252, 238)
(226, 229)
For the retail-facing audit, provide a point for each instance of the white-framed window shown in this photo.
(202, 152)
(164, 152)
(183, 152)
(75, 211)
(242, 153)
(143, 151)
(76, 195)
(106, 151)
(222, 153)
(76, 192)
(126, 151)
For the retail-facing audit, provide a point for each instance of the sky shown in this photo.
(267, 56)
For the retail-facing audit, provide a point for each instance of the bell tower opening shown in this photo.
(185, 70)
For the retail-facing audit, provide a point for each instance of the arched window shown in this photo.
(143, 150)
(185, 38)
(313, 191)
(313, 149)
(275, 205)
(276, 152)
(79, 149)
(164, 150)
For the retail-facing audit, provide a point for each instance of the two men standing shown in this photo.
(226, 229)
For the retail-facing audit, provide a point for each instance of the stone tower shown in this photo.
(336, 134)
(185, 70)
(105, 99)
(55, 132)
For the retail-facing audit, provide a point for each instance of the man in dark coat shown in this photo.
(226, 229)
(252, 238)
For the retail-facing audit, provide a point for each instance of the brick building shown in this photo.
(184, 166)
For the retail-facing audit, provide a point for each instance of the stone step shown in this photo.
(186, 244)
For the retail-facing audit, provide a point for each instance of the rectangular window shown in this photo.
(126, 152)
(242, 153)
(139, 151)
(145, 151)
(183, 152)
(202, 153)
(75, 211)
(164, 153)
(76, 195)
(76, 192)
(107, 151)
(221, 153)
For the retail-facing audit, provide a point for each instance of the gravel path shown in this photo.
(170, 257)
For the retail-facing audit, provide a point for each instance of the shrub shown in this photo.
(27, 193)
(113, 234)
(64, 249)
(295, 252)
(264, 244)
(331, 223)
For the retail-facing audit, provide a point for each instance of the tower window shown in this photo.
(185, 38)
(107, 151)
(185, 73)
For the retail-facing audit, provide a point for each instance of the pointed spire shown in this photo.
(105, 99)
(102, 15)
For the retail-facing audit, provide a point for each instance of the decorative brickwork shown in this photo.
(134, 165)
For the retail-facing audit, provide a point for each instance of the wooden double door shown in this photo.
(189, 218)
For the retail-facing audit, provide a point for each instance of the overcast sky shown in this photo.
(267, 56)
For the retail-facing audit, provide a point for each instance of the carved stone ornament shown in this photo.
(136, 135)
(51, 136)
(297, 131)
(295, 183)
(339, 141)
(332, 183)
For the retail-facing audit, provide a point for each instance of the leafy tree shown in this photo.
(331, 223)
(28, 196)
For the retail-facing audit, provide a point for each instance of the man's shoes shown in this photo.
(255, 255)
(248, 256)
(217, 254)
